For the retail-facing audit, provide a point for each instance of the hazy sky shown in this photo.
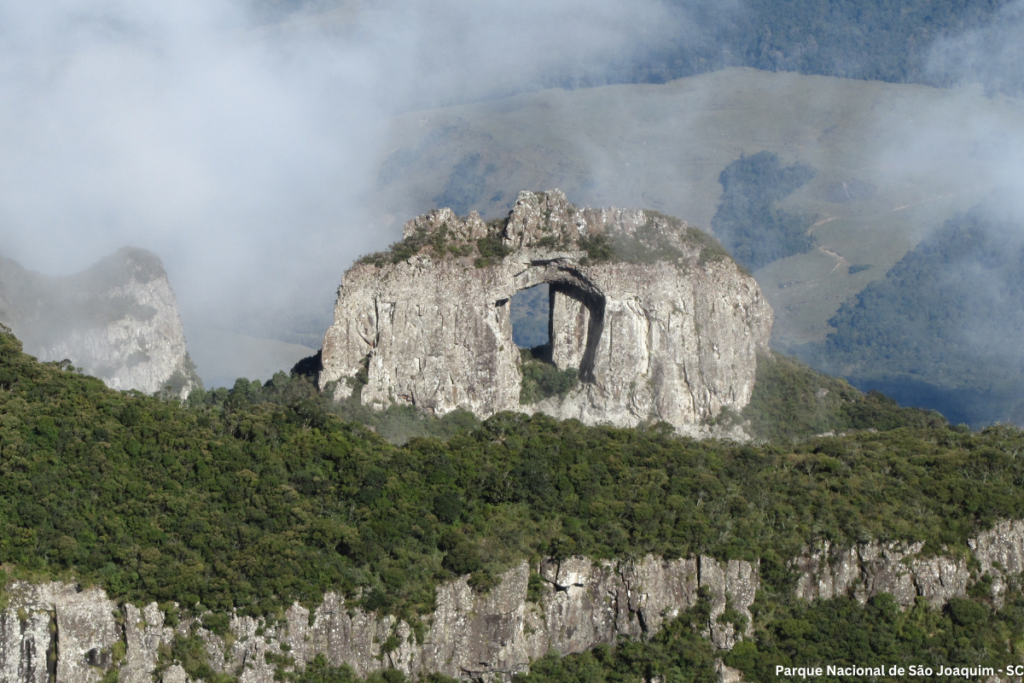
(240, 151)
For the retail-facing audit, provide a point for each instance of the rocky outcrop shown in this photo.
(873, 568)
(57, 632)
(657, 319)
(54, 629)
(869, 569)
(1000, 553)
(118, 321)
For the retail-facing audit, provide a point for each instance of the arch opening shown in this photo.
(577, 322)
(557, 327)
(531, 318)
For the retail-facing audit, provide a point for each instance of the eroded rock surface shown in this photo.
(661, 324)
(117, 320)
(470, 635)
(873, 568)
(869, 569)
(55, 632)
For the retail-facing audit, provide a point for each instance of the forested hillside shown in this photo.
(748, 222)
(943, 328)
(871, 40)
(251, 498)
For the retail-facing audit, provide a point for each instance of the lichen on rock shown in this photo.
(659, 323)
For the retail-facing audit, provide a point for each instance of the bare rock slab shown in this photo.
(659, 322)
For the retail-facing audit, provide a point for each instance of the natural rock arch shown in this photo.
(575, 318)
(662, 325)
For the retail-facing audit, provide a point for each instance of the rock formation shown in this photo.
(55, 629)
(117, 320)
(658, 321)
(59, 632)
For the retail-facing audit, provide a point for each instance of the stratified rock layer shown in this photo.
(658, 320)
(118, 321)
(57, 632)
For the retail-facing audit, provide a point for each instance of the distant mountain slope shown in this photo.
(880, 184)
(117, 320)
(863, 39)
(943, 329)
(892, 162)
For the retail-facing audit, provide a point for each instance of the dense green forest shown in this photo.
(249, 498)
(748, 222)
(943, 328)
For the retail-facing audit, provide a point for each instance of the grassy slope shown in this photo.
(664, 146)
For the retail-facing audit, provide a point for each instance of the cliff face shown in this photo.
(56, 630)
(53, 629)
(658, 321)
(118, 320)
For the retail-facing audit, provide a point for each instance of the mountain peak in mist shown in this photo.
(117, 320)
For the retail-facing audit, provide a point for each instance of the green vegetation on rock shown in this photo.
(658, 239)
(541, 379)
(968, 632)
(438, 241)
(679, 652)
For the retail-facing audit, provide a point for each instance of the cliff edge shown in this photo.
(653, 317)
(117, 320)
(71, 634)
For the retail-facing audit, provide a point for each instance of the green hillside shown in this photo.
(251, 498)
(943, 328)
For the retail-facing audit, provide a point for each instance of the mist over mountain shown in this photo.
(240, 140)
(117, 320)
(916, 41)
(863, 163)
(943, 328)
(259, 147)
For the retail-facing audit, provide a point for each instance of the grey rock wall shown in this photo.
(56, 632)
(53, 629)
(117, 320)
(669, 332)
(869, 569)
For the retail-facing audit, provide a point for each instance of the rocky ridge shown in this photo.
(59, 632)
(118, 320)
(658, 321)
